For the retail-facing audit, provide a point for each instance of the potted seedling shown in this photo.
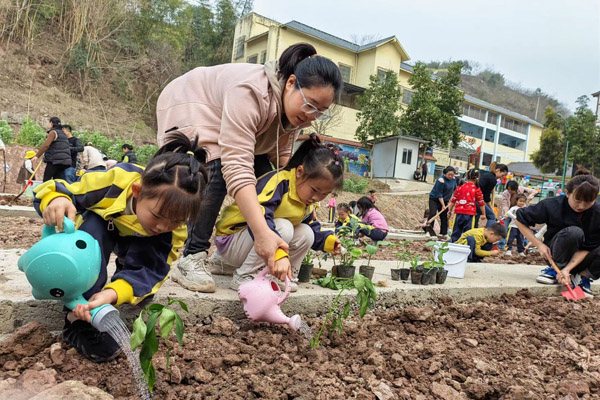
(365, 297)
(345, 268)
(370, 249)
(440, 248)
(306, 268)
(403, 257)
(416, 270)
(320, 271)
(144, 334)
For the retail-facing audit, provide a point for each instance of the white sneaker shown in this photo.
(191, 272)
(522, 254)
(237, 280)
(218, 266)
(508, 253)
(281, 284)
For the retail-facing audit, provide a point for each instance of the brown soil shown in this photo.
(514, 347)
(19, 232)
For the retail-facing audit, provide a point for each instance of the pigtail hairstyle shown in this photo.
(583, 187)
(315, 158)
(177, 178)
(344, 207)
(302, 61)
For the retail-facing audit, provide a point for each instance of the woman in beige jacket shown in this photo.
(246, 116)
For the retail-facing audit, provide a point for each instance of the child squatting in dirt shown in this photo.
(482, 240)
(140, 215)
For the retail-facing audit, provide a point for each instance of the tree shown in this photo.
(379, 106)
(435, 104)
(549, 157)
(584, 136)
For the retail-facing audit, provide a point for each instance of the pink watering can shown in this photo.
(261, 298)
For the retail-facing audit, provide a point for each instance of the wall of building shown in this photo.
(366, 68)
(347, 125)
(384, 158)
(387, 57)
(406, 171)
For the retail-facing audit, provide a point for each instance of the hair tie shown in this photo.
(191, 153)
(337, 163)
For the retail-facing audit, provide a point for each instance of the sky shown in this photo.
(552, 44)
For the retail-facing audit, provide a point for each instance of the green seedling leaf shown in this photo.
(138, 334)
(371, 249)
(385, 243)
(431, 243)
(151, 376)
(166, 322)
(359, 282)
(155, 308)
(355, 252)
(179, 329)
(346, 309)
(181, 304)
(151, 323)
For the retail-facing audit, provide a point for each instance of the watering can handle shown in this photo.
(68, 226)
(288, 287)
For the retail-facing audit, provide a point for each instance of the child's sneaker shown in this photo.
(585, 285)
(547, 277)
(522, 254)
(239, 279)
(508, 253)
(90, 342)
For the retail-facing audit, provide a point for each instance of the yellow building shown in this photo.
(498, 133)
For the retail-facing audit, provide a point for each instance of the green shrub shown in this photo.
(31, 133)
(6, 132)
(145, 153)
(99, 141)
(356, 185)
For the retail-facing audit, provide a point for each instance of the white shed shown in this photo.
(396, 157)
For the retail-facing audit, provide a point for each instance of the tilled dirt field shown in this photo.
(514, 347)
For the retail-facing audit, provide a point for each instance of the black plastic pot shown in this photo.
(404, 272)
(367, 271)
(346, 271)
(432, 275)
(441, 276)
(415, 276)
(305, 272)
(425, 278)
(396, 274)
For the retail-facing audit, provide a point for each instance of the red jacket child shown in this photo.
(467, 198)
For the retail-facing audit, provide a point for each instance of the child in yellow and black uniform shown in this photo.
(287, 198)
(345, 215)
(138, 214)
(481, 241)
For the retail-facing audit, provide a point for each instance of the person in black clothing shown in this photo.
(56, 151)
(129, 155)
(76, 148)
(572, 238)
(487, 183)
(424, 171)
(440, 196)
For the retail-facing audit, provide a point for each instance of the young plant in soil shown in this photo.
(371, 249)
(366, 295)
(309, 258)
(346, 236)
(144, 334)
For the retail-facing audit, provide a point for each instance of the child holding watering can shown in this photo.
(140, 215)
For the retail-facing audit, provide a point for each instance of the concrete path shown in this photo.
(18, 307)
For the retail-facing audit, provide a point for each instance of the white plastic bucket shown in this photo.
(455, 259)
(29, 190)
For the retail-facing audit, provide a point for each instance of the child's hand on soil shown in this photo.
(337, 248)
(107, 296)
(495, 253)
(56, 210)
(282, 269)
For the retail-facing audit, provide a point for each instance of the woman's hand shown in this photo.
(59, 207)
(282, 269)
(266, 244)
(545, 251)
(564, 277)
(107, 296)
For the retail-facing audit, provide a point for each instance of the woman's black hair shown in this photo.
(55, 121)
(309, 69)
(345, 207)
(364, 205)
(67, 127)
(127, 146)
(512, 185)
(178, 165)
(316, 157)
(494, 166)
(448, 169)
(583, 187)
(472, 174)
(352, 204)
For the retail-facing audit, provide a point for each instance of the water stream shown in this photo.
(117, 329)
(305, 330)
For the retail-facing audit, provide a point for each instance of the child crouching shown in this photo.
(481, 241)
(288, 198)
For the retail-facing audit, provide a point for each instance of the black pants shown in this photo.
(54, 171)
(515, 233)
(472, 245)
(199, 233)
(424, 176)
(462, 223)
(373, 234)
(566, 243)
(434, 207)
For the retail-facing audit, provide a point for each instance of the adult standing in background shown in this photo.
(76, 148)
(56, 152)
(245, 115)
(487, 184)
(424, 171)
(440, 196)
(128, 154)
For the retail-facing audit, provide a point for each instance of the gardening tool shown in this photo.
(29, 183)
(428, 228)
(261, 298)
(63, 266)
(570, 293)
(5, 171)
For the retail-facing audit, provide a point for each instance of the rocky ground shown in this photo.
(513, 347)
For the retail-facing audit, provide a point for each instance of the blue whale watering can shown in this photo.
(63, 266)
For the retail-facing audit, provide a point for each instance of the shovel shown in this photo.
(428, 228)
(29, 183)
(570, 293)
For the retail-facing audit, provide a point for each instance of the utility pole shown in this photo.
(566, 151)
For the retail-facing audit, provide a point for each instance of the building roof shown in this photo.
(392, 137)
(309, 30)
(485, 104)
(597, 94)
(525, 168)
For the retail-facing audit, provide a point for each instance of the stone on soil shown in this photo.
(72, 390)
(27, 341)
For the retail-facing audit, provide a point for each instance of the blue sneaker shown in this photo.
(547, 277)
(585, 285)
